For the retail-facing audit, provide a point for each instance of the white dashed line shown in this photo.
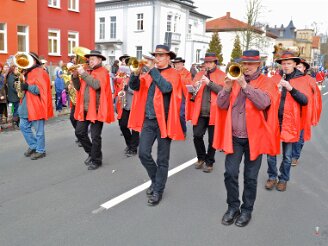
(117, 200)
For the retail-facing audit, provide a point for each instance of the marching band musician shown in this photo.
(246, 125)
(123, 105)
(155, 110)
(178, 63)
(93, 107)
(293, 115)
(203, 116)
(316, 103)
(35, 108)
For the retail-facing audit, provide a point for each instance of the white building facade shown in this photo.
(135, 27)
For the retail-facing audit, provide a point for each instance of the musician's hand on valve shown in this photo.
(228, 83)
(242, 82)
(80, 70)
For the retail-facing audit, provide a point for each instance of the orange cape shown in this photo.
(39, 106)
(105, 112)
(262, 126)
(169, 128)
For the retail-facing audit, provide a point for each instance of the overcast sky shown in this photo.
(275, 12)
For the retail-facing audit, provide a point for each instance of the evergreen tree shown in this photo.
(236, 51)
(216, 47)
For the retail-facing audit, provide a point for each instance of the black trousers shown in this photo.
(199, 132)
(71, 117)
(131, 137)
(92, 148)
(251, 171)
(157, 171)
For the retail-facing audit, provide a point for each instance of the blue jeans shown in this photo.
(157, 171)
(287, 149)
(297, 147)
(35, 140)
(231, 174)
(59, 105)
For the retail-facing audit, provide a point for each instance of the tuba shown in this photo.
(80, 59)
(234, 70)
(23, 61)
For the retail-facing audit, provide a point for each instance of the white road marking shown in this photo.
(325, 93)
(117, 200)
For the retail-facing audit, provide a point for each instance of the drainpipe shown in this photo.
(153, 27)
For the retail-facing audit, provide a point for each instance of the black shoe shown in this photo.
(88, 161)
(243, 219)
(29, 152)
(230, 216)
(37, 155)
(126, 150)
(154, 199)
(150, 191)
(79, 144)
(77, 141)
(131, 153)
(93, 166)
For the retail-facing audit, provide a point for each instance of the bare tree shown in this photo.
(250, 35)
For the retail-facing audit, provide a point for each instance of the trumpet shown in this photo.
(234, 71)
(135, 64)
(23, 61)
(283, 77)
(80, 52)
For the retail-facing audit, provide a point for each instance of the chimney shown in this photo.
(228, 14)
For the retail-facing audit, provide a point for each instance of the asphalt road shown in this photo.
(56, 200)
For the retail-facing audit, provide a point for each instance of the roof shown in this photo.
(316, 42)
(287, 32)
(228, 24)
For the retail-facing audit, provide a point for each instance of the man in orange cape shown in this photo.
(246, 125)
(155, 112)
(185, 80)
(294, 114)
(93, 107)
(208, 83)
(35, 107)
(316, 102)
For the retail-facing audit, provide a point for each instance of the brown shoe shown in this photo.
(294, 162)
(207, 169)
(281, 186)
(270, 184)
(199, 164)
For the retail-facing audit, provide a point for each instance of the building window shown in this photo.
(54, 3)
(139, 52)
(3, 38)
(54, 42)
(169, 23)
(139, 22)
(113, 27)
(102, 28)
(73, 41)
(198, 55)
(22, 37)
(73, 5)
(175, 25)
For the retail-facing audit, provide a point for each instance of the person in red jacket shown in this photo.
(303, 66)
(154, 111)
(246, 126)
(94, 106)
(208, 83)
(35, 107)
(186, 80)
(293, 116)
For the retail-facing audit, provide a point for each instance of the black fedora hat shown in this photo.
(35, 57)
(123, 57)
(95, 53)
(178, 59)
(250, 56)
(164, 49)
(305, 63)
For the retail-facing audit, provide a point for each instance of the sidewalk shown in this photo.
(9, 126)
